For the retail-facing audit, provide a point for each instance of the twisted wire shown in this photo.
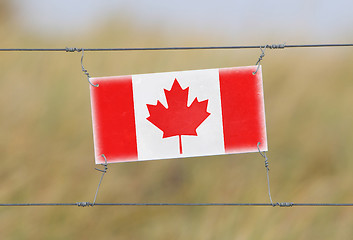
(105, 164)
(270, 46)
(263, 154)
(88, 204)
(82, 67)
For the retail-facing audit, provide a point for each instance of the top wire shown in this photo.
(272, 46)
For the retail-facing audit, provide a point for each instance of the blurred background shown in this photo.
(46, 132)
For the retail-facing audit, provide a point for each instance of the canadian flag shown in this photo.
(178, 114)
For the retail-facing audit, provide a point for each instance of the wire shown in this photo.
(88, 204)
(36, 204)
(104, 171)
(273, 46)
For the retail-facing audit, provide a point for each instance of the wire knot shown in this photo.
(267, 164)
(67, 49)
(276, 46)
(84, 204)
(105, 164)
(263, 154)
(283, 204)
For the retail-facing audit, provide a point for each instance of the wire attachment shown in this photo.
(285, 204)
(276, 46)
(83, 204)
(105, 164)
(273, 46)
(83, 69)
(263, 154)
(260, 58)
(68, 49)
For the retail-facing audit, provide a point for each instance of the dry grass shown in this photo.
(47, 149)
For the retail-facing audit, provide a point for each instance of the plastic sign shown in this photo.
(178, 114)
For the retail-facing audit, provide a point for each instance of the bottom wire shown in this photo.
(88, 204)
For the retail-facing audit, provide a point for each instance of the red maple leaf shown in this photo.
(178, 119)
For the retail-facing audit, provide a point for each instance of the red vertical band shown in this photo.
(113, 119)
(242, 110)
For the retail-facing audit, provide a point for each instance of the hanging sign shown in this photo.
(178, 114)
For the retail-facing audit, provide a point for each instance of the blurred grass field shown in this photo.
(47, 148)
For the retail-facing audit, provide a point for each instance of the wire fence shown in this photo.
(92, 204)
